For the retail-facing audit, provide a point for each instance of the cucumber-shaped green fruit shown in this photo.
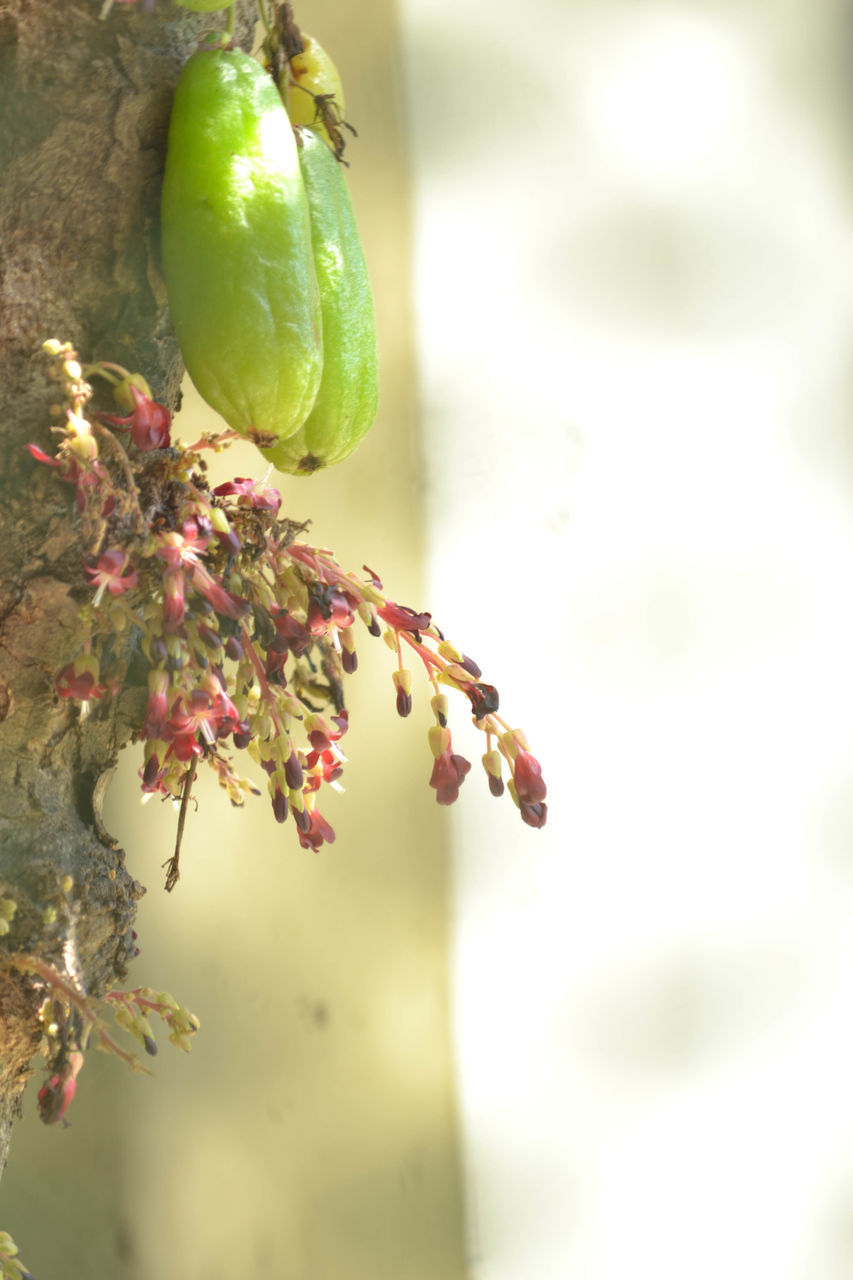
(237, 252)
(349, 391)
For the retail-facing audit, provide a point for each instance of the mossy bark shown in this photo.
(84, 107)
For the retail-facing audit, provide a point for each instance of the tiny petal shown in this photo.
(535, 815)
(401, 618)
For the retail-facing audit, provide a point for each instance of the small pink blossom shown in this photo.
(79, 679)
(448, 774)
(402, 618)
(313, 829)
(149, 423)
(108, 574)
(251, 494)
(56, 1096)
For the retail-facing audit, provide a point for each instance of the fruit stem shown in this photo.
(262, 11)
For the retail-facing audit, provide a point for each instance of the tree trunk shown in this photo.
(84, 107)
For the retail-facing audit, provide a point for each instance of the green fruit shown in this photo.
(349, 391)
(237, 252)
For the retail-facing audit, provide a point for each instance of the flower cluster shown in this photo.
(11, 1267)
(247, 631)
(132, 1010)
(70, 1020)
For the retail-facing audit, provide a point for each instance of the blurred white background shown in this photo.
(633, 303)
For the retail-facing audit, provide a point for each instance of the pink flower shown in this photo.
(297, 637)
(183, 550)
(448, 774)
(79, 679)
(329, 607)
(402, 618)
(55, 1097)
(206, 711)
(250, 494)
(330, 768)
(193, 714)
(107, 574)
(313, 829)
(149, 423)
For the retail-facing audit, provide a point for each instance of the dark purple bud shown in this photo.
(241, 739)
(150, 1046)
(404, 703)
(374, 627)
(280, 806)
(210, 637)
(149, 774)
(230, 541)
(471, 667)
(233, 649)
(496, 785)
(159, 652)
(293, 772)
(302, 818)
(349, 661)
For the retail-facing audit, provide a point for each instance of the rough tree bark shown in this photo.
(84, 108)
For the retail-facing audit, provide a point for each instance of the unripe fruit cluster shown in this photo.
(266, 276)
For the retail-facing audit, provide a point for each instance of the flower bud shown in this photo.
(439, 739)
(122, 394)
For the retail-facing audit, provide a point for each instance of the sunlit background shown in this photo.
(611, 251)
